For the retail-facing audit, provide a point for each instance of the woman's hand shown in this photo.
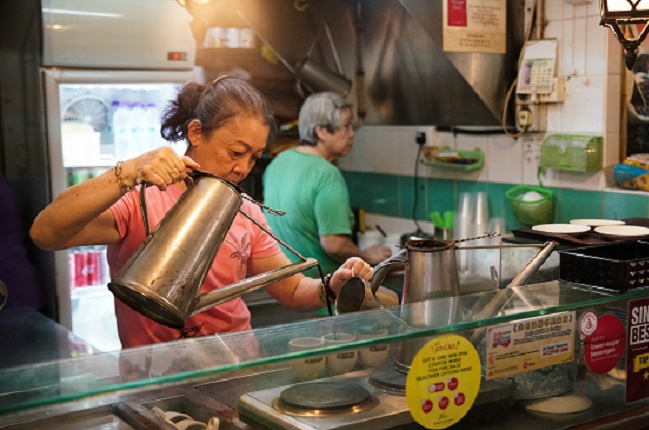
(160, 167)
(354, 266)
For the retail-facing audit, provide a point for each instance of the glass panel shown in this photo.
(176, 362)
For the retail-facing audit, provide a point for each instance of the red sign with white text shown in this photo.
(605, 345)
(456, 13)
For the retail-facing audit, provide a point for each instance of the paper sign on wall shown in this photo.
(475, 26)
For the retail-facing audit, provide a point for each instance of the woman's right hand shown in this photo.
(160, 167)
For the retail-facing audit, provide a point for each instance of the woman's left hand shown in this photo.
(354, 266)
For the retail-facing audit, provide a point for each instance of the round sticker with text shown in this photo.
(443, 381)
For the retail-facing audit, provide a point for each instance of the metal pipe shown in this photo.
(540, 19)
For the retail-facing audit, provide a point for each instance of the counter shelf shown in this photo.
(173, 363)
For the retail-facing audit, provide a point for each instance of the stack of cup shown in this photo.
(462, 226)
(471, 220)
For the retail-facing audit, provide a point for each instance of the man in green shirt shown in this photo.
(304, 182)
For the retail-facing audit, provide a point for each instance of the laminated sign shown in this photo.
(637, 356)
(530, 344)
(475, 26)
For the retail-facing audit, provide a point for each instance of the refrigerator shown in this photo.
(109, 70)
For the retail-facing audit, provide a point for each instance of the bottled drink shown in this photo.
(80, 268)
(120, 130)
(137, 130)
(152, 122)
(93, 265)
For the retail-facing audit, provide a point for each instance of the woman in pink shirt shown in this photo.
(226, 124)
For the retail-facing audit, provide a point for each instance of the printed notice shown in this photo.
(530, 344)
(443, 381)
(475, 26)
(604, 345)
(637, 355)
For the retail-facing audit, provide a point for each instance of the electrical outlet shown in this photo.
(524, 118)
(420, 138)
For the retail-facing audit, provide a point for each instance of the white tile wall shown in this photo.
(589, 56)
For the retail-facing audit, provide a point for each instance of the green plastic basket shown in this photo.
(532, 212)
(575, 153)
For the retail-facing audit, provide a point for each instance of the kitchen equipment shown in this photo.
(502, 297)
(596, 222)
(622, 231)
(616, 267)
(310, 74)
(531, 210)
(431, 270)
(162, 278)
(357, 295)
(315, 76)
(132, 53)
(573, 229)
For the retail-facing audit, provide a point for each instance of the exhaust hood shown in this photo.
(410, 80)
(392, 50)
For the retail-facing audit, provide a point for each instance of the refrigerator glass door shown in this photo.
(96, 118)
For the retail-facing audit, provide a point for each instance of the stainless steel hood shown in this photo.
(408, 79)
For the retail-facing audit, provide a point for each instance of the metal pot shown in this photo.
(162, 278)
(431, 270)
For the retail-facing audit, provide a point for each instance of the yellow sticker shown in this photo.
(443, 381)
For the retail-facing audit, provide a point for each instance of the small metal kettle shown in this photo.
(431, 270)
(161, 280)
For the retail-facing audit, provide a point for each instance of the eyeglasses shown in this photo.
(346, 128)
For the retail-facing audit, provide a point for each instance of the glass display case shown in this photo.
(360, 366)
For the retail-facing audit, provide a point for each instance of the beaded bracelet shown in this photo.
(120, 181)
(324, 292)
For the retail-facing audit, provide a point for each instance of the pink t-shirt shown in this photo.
(243, 241)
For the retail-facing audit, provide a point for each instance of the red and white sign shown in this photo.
(604, 347)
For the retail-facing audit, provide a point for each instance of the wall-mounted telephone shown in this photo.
(536, 79)
(535, 76)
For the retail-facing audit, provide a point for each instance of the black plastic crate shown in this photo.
(617, 267)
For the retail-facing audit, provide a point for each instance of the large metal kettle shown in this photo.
(162, 279)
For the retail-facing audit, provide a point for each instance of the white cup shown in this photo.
(373, 355)
(342, 361)
(307, 368)
(232, 37)
(246, 38)
(215, 37)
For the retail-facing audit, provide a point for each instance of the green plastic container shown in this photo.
(532, 212)
(575, 153)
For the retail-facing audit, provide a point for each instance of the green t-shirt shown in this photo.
(314, 195)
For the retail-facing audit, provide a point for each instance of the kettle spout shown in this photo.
(213, 298)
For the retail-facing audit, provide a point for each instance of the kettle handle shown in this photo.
(145, 215)
(143, 211)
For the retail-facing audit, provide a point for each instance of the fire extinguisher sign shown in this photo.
(637, 357)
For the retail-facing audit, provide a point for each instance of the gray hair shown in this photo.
(321, 109)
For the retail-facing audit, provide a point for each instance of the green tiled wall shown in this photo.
(394, 195)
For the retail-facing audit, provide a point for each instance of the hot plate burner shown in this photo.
(389, 380)
(324, 399)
